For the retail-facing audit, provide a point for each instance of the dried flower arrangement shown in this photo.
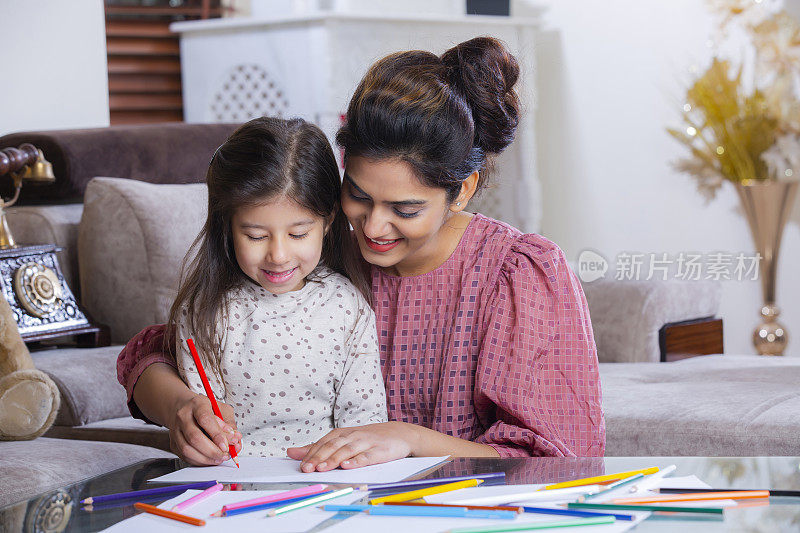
(741, 129)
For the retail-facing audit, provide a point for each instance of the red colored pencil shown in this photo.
(152, 509)
(209, 392)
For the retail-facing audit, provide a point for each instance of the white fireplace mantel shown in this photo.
(309, 65)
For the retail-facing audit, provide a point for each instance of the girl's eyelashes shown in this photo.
(292, 235)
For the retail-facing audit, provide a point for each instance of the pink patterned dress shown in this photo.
(493, 346)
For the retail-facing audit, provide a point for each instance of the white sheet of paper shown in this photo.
(293, 521)
(284, 470)
(456, 496)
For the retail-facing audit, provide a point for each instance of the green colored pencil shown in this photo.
(528, 526)
(633, 507)
(309, 501)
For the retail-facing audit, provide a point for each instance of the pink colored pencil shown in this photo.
(210, 491)
(295, 493)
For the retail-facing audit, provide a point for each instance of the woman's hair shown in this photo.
(263, 159)
(441, 115)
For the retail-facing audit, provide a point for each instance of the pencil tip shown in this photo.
(87, 500)
(217, 514)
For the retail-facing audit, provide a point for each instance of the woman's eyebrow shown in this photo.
(352, 183)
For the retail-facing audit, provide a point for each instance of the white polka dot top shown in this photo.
(295, 365)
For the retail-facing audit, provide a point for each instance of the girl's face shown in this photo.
(277, 243)
(400, 223)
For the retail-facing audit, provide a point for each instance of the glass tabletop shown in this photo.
(61, 510)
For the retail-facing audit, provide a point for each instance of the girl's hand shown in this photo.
(198, 436)
(356, 447)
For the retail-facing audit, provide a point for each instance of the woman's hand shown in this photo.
(356, 447)
(198, 435)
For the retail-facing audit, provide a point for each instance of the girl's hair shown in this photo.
(263, 159)
(441, 115)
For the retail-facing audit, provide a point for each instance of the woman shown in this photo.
(485, 337)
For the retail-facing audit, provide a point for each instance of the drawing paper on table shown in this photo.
(285, 470)
(299, 520)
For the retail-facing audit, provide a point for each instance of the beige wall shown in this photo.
(54, 65)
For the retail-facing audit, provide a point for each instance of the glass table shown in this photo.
(61, 510)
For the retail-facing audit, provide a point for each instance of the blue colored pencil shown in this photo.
(451, 512)
(421, 483)
(262, 506)
(149, 492)
(573, 512)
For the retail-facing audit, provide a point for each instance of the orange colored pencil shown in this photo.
(476, 507)
(152, 509)
(697, 496)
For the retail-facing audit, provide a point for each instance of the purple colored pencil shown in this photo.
(438, 481)
(149, 492)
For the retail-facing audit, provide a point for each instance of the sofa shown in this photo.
(124, 238)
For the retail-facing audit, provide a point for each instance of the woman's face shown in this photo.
(397, 219)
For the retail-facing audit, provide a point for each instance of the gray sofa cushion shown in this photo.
(31, 467)
(87, 379)
(132, 240)
(715, 405)
(627, 315)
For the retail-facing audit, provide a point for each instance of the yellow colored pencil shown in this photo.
(598, 479)
(438, 489)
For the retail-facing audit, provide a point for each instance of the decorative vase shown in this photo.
(767, 205)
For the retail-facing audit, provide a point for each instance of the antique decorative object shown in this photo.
(30, 276)
(25, 164)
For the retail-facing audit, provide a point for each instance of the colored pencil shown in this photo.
(209, 392)
(148, 492)
(419, 483)
(574, 512)
(152, 509)
(421, 493)
(529, 526)
(611, 487)
(394, 510)
(527, 496)
(210, 491)
(597, 479)
(476, 507)
(772, 492)
(310, 501)
(289, 494)
(642, 507)
(653, 480)
(263, 506)
(701, 496)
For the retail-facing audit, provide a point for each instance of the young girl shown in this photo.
(285, 338)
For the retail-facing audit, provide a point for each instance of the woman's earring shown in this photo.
(458, 203)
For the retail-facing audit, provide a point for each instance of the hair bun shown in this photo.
(484, 72)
